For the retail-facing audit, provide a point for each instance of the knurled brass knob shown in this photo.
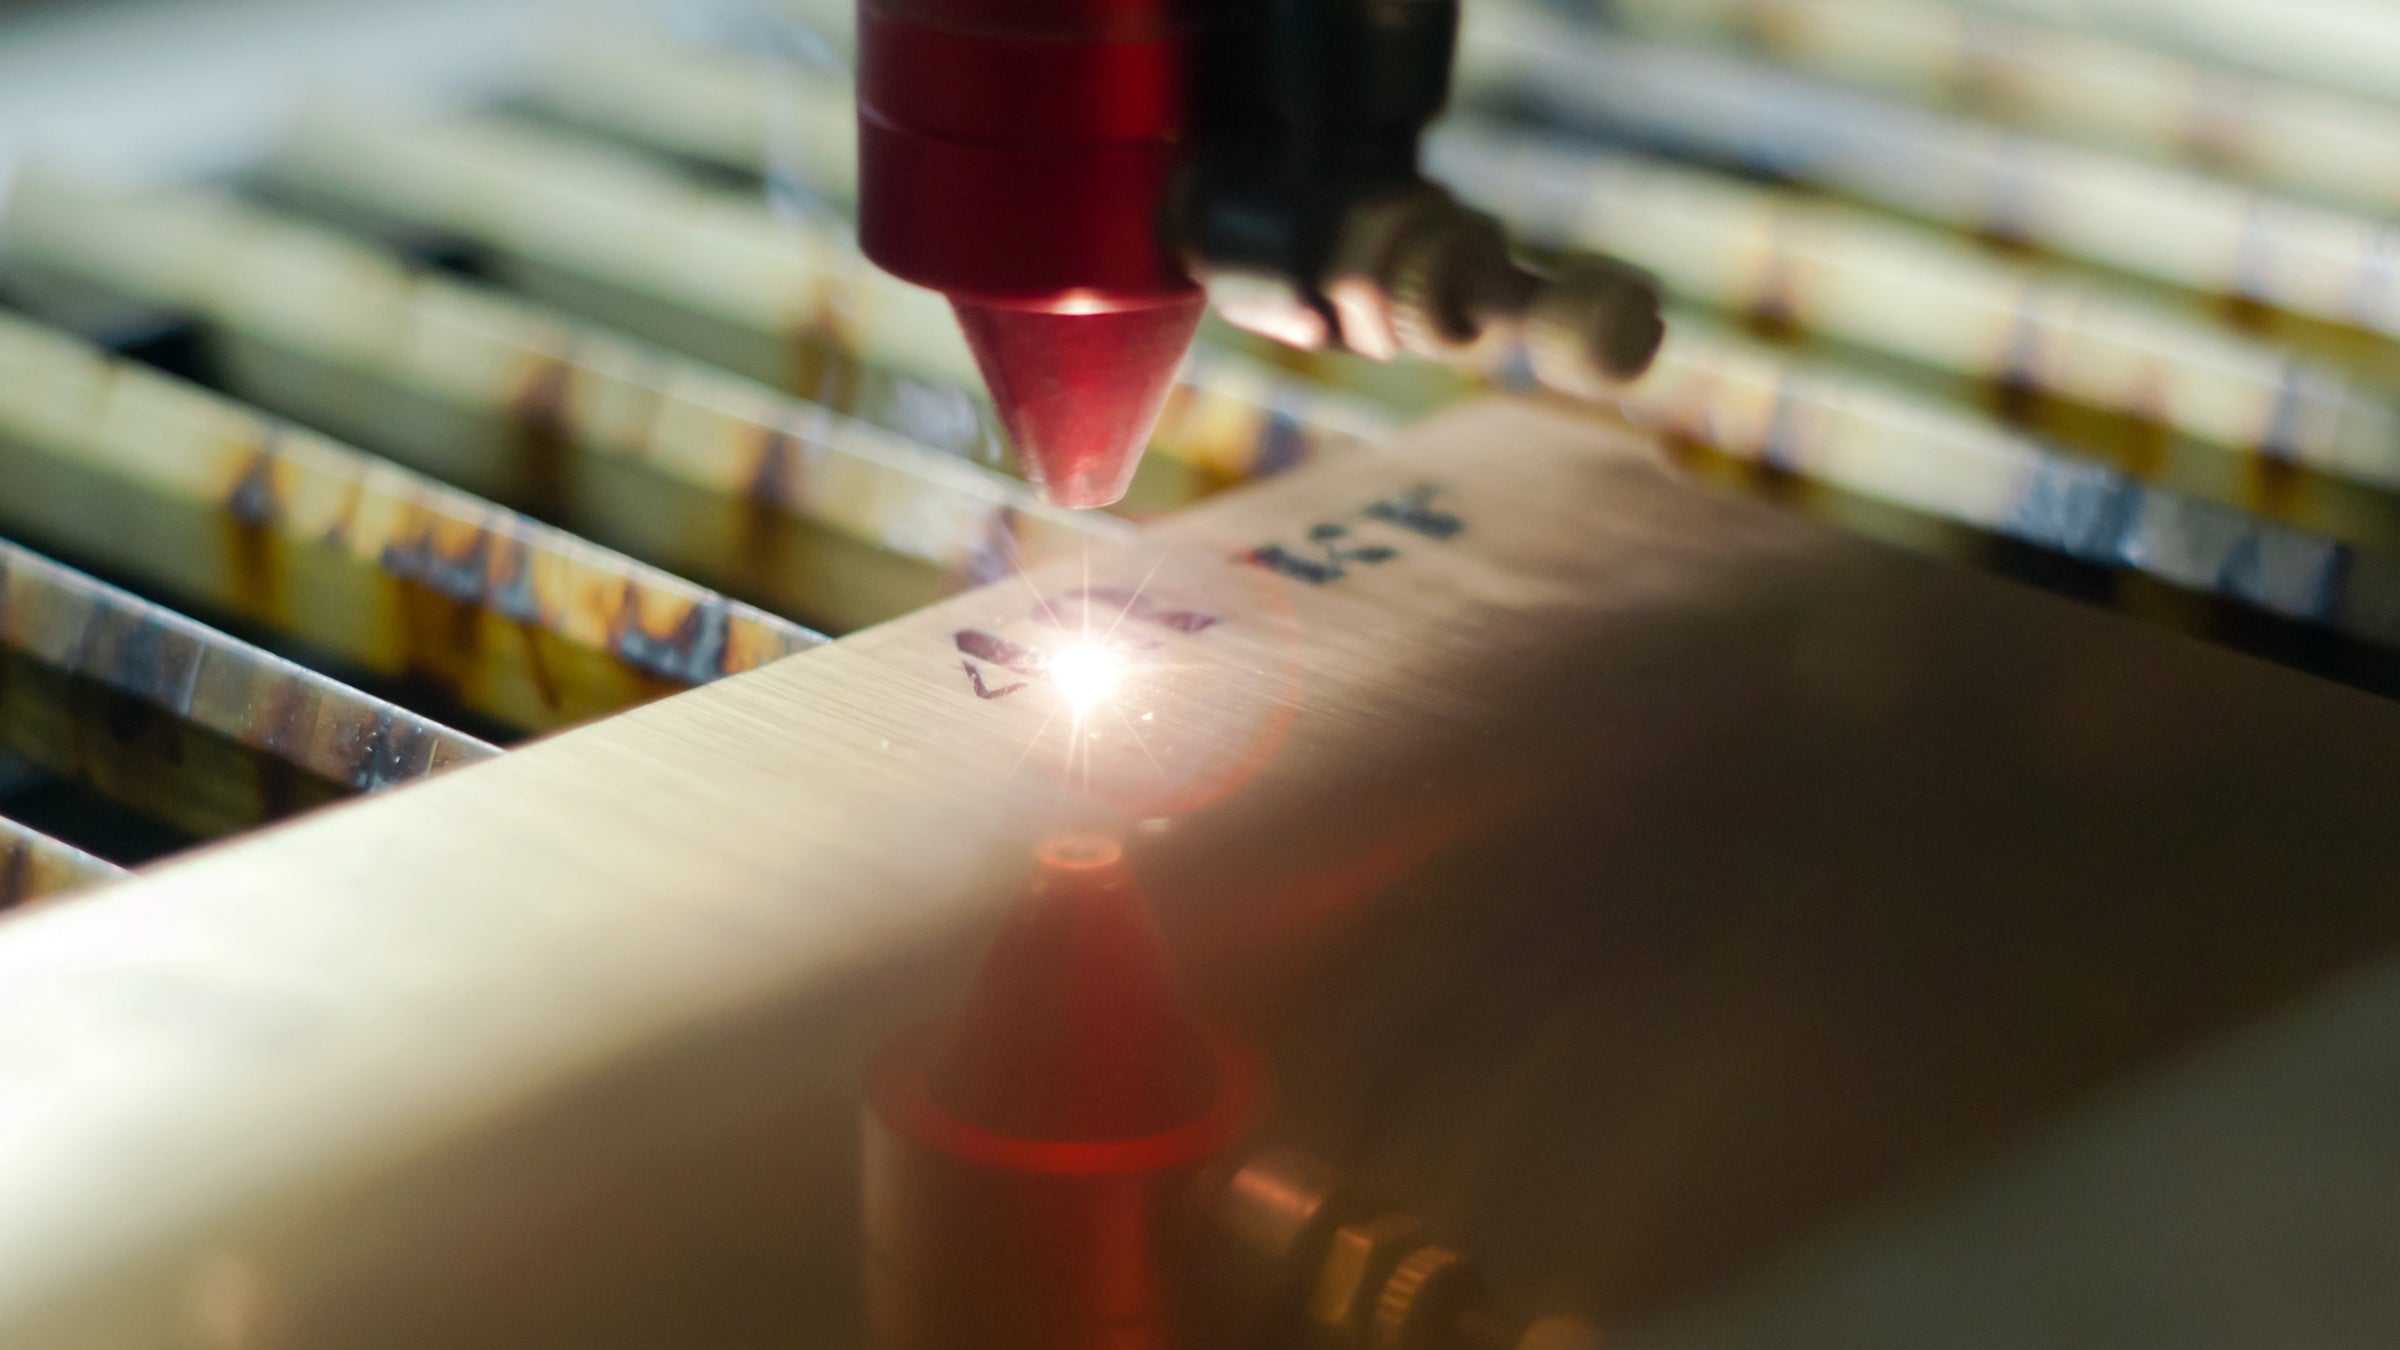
(1424, 1300)
(1350, 1282)
(1594, 328)
(1453, 285)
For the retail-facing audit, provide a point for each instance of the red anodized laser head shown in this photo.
(1028, 1157)
(1017, 156)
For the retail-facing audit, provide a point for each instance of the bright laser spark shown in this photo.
(1086, 673)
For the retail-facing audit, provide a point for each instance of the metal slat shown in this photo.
(182, 722)
(1823, 426)
(2338, 44)
(2061, 82)
(383, 569)
(782, 297)
(34, 866)
(2175, 227)
(2135, 382)
(722, 107)
(715, 477)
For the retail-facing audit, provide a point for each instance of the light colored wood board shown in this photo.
(1633, 882)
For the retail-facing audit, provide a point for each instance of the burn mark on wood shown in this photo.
(984, 691)
(1001, 652)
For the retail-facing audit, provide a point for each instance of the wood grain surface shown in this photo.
(1630, 878)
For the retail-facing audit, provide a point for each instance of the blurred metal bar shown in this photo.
(2341, 44)
(196, 496)
(182, 722)
(2055, 80)
(631, 242)
(2173, 226)
(783, 297)
(1812, 425)
(724, 107)
(815, 516)
(2132, 381)
(34, 866)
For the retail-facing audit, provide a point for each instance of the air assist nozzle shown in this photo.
(1080, 391)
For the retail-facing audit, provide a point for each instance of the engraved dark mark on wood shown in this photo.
(1415, 512)
(1135, 606)
(984, 691)
(1326, 537)
(999, 651)
(1331, 555)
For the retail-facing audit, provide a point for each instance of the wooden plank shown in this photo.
(1630, 877)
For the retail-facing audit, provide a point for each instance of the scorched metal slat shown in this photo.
(181, 722)
(34, 866)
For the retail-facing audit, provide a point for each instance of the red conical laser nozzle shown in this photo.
(1080, 391)
(1074, 1027)
(1028, 1159)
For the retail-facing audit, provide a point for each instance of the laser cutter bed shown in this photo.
(1731, 929)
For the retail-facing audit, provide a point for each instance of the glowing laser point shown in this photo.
(1086, 673)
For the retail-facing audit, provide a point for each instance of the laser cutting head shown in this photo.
(1018, 156)
(1069, 172)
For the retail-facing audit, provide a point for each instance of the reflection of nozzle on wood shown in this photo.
(1028, 1159)
(1295, 1256)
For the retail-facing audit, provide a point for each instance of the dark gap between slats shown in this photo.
(74, 814)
